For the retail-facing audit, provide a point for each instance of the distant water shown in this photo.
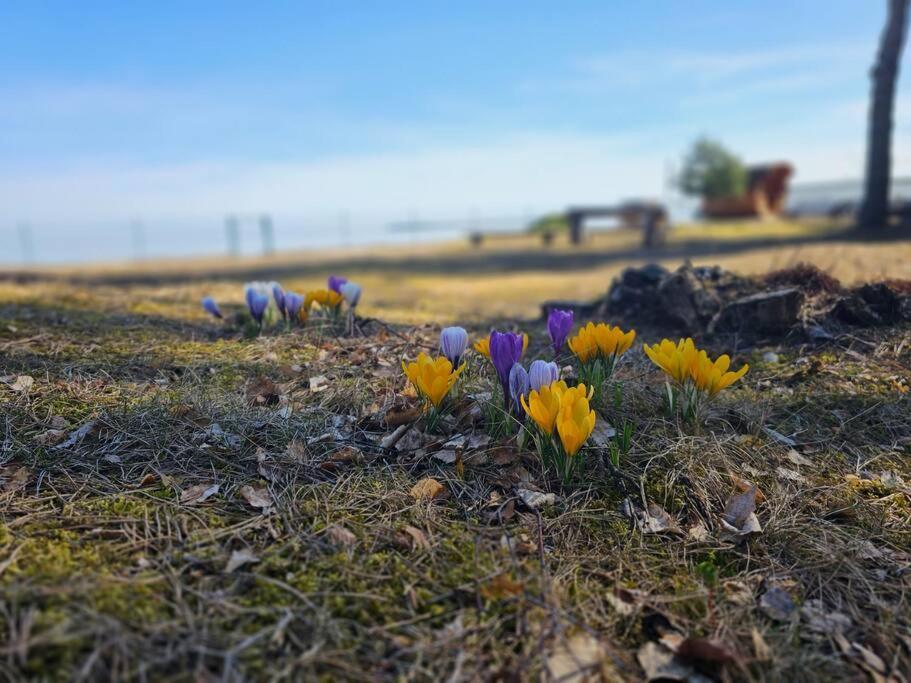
(49, 243)
(163, 237)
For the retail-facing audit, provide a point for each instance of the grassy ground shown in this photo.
(507, 278)
(119, 560)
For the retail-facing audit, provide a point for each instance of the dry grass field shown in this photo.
(179, 502)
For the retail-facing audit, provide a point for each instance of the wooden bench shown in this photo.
(649, 217)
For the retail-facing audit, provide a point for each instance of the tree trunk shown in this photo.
(874, 210)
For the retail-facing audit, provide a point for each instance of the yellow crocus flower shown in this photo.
(576, 420)
(711, 377)
(433, 378)
(677, 360)
(326, 298)
(601, 340)
(612, 341)
(544, 405)
(584, 344)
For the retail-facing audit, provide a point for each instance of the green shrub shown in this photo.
(711, 171)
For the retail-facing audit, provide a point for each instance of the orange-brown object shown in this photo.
(767, 191)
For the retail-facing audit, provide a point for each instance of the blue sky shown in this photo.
(193, 109)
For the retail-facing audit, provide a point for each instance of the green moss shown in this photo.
(119, 506)
(56, 556)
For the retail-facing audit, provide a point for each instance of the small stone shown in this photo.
(777, 604)
(535, 499)
(770, 357)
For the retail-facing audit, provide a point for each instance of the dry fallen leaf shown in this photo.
(411, 441)
(262, 391)
(447, 456)
(77, 435)
(346, 454)
(657, 520)
(740, 507)
(341, 536)
(660, 664)
(238, 559)
(822, 620)
(51, 437)
(393, 437)
(402, 414)
(866, 659)
(790, 475)
(498, 512)
(581, 658)
(418, 538)
(297, 450)
(147, 480)
(797, 459)
(264, 466)
(319, 383)
(427, 489)
(22, 383)
(256, 497)
(625, 600)
(761, 649)
(698, 533)
(198, 494)
(502, 586)
(59, 422)
(744, 485)
(14, 477)
(779, 437)
(739, 520)
(706, 650)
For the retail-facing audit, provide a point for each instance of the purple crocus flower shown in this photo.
(279, 295)
(293, 304)
(505, 351)
(542, 374)
(211, 307)
(351, 291)
(453, 342)
(336, 282)
(518, 387)
(257, 302)
(559, 323)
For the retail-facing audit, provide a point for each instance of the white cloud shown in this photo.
(543, 171)
(706, 70)
(538, 170)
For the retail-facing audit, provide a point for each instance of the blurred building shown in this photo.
(767, 192)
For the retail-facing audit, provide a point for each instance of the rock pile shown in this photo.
(711, 300)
